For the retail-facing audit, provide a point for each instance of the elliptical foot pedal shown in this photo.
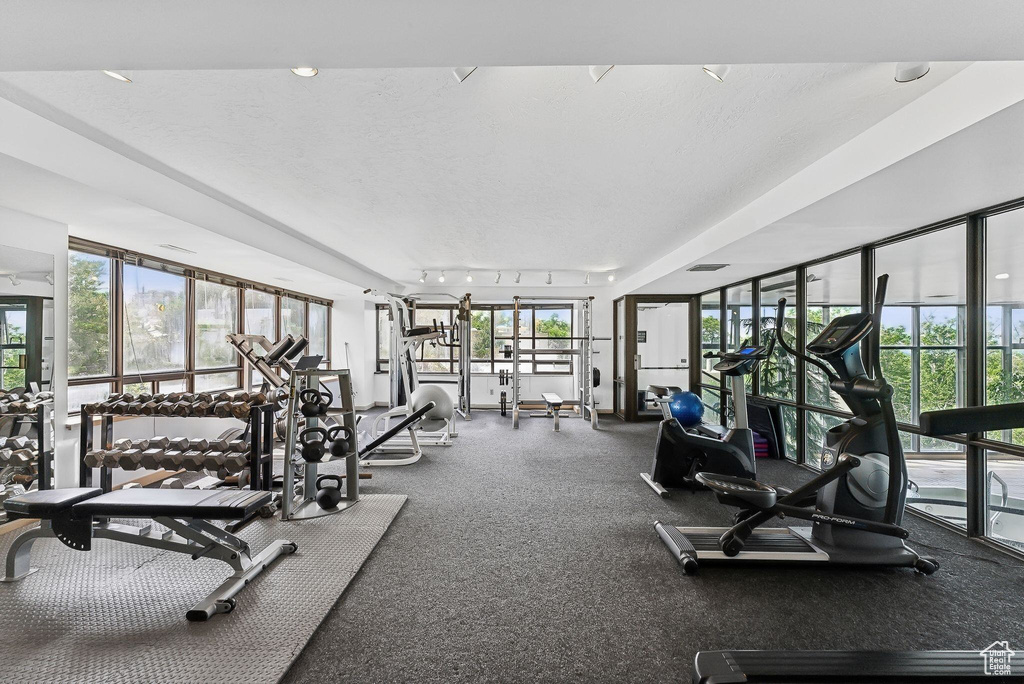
(680, 547)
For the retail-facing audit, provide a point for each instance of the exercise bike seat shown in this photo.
(751, 492)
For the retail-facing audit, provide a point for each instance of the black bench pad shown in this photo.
(47, 503)
(138, 502)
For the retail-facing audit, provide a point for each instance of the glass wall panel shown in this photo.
(1004, 290)
(817, 425)
(216, 316)
(318, 330)
(938, 481)
(833, 290)
(211, 382)
(712, 405)
(89, 319)
(789, 429)
(154, 321)
(259, 315)
(480, 345)
(293, 317)
(778, 373)
(1005, 489)
(436, 357)
(86, 394)
(710, 334)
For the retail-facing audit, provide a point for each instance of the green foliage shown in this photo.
(88, 317)
(710, 330)
(481, 343)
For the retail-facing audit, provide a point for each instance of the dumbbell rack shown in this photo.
(298, 503)
(261, 453)
(41, 416)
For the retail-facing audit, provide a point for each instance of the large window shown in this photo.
(173, 325)
(710, 336)
(89, 316)
(541, 326)
(216, 317)
(833, 290)
(154, 321)
(778, 374)
(952, 335)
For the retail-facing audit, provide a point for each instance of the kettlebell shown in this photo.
(313, 451)
(340, 443)
(312, 403)
(328, 495)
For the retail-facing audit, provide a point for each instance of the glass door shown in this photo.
(618, 373)
(656, 343)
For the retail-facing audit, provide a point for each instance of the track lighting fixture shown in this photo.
(717, 71)
(586, 279)
(548, 281)
(598, 72)
(911, 71)
(117, 76)
(14, 279)
(611, 277)
(423, 277)
(440, 278)
(49, 278)
(518, 276)
(1002, 276)
(497, 278)
(469, 277)
(462, 73)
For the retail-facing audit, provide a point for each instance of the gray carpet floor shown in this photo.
(525, 556)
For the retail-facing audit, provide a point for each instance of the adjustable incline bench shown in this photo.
(77, 516)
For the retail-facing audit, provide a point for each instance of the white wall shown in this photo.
(30, 232)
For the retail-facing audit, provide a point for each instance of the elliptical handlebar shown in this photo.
(780, 319)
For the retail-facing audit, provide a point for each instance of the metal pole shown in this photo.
(515, 363)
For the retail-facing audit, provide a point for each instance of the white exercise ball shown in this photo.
(444, 407)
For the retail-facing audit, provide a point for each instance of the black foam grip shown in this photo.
(968, 420)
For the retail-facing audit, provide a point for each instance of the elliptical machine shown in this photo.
(680, 453)
(858, 501)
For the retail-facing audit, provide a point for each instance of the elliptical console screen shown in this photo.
(747, 351)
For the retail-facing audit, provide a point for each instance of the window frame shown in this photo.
(117, 379)
(382, 364)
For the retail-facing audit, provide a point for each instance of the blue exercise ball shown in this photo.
(687, 408)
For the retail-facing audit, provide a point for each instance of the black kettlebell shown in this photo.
(328, 495)
(340, 438)
(315, 402)
(313, 441)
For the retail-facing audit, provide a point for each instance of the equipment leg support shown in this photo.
(221, 599)
(19, 557)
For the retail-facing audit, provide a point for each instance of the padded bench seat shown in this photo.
(227, 504)
(551, 399)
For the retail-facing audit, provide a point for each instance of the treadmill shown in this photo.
(856, 667)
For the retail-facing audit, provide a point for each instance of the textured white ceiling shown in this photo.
(978, 167)
(516, 168)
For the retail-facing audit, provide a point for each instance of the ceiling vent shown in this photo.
(707, 268)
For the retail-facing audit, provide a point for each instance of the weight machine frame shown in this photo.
(583, 372)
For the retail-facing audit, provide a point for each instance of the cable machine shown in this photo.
(585, 375)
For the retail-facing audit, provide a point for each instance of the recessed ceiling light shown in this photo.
(440, 278)
(911, 71)
(1002, 276)
(119, 77)
(469, 277)
(611, 277)
(306, 72)
(717, 71)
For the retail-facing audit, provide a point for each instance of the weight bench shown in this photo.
(79, 515)
(554, 406)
